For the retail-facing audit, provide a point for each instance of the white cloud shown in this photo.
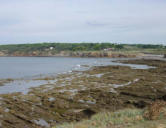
(137, 21)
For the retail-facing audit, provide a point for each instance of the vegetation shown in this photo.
(76, 47)
(127, 118)
(108, 119)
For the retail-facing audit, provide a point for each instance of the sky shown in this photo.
(116, 21)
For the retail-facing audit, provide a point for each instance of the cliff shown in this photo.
(70, 54)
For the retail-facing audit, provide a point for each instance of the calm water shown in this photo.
(28, 68)
(24, 67)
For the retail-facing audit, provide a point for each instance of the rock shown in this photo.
(164, 55)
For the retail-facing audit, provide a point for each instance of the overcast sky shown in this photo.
(120, 21)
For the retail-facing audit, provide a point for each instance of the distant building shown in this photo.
(108, 49)
(51, 48)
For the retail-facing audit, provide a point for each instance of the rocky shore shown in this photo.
(81, 94)
(109, 54)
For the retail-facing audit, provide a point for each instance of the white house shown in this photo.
(51, 48)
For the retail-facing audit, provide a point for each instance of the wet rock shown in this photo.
(163, 98)
(42, 122)
(86, 93)
(89, 112)
(140, 104)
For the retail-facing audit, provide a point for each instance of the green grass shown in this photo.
(128, 118)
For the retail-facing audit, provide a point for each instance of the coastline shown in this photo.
(95, 90)
(98, 54)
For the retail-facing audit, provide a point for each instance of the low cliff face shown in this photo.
(2, 54)
(101, 54)
(70, 54)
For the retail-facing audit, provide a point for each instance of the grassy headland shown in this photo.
(80, 49)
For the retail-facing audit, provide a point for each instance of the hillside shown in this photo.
(79, 49)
